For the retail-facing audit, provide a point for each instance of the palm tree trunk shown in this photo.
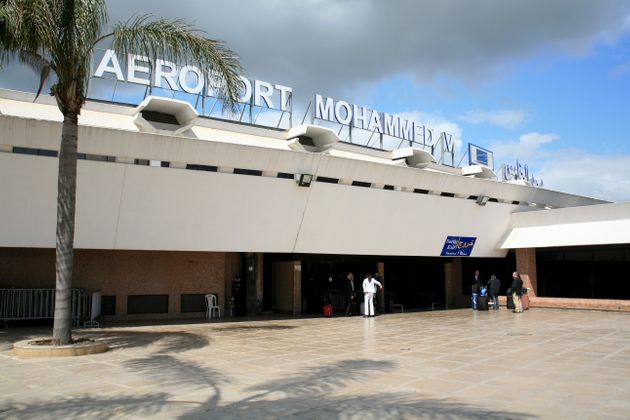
(66, 198)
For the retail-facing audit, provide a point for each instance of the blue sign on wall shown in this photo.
(458, 246)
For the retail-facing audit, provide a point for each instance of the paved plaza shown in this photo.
(545, 363)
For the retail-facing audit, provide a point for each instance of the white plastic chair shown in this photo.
(212, 305)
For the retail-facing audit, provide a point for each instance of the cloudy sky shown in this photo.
(545, 81)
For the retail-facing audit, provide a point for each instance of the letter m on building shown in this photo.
(324, 109)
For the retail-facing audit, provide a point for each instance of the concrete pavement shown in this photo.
(544, 363)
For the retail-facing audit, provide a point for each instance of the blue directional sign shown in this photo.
(458, 246)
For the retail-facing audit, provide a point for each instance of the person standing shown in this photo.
(369, 290)
(494, 285)
(349, 293)
(517, 290)
(476, 277)
(476, 283)
(238, 296)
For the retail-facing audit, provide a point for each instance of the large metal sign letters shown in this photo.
(189, 79)
(364, 118)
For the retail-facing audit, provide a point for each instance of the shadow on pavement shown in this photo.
(261, 327)
(88, 406)
(167, 341)
(315, 392)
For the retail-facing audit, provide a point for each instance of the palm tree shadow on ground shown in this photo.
(313, 392)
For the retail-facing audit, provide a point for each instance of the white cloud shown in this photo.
(599, 176)
(332, 47)
(606, 177)
(501, 118)
(619, 70)
(527, 146)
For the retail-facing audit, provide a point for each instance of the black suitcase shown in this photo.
(482, 303)
(510, 302)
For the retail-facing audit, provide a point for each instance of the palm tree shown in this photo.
(57, 39)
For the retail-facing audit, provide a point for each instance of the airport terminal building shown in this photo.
(172, 205)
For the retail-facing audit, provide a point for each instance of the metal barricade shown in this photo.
(24, 304)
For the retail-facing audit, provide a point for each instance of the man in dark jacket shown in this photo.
(517, 290)
(238, 296)
(494, 284)
(349, 293)
(476, 285)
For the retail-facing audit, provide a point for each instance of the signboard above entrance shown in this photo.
(458, 246)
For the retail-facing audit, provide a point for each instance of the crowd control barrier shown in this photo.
(24, 304)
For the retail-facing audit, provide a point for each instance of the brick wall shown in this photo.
(575, 303)
(124, 273)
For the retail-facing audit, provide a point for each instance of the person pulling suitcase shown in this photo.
(482, 300)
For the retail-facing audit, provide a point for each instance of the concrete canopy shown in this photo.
(599, 224)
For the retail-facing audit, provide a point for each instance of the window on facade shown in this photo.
(108, 305)
(193, 303)
(147, 304)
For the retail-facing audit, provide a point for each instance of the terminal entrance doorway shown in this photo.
(413, 282)
(324, 277)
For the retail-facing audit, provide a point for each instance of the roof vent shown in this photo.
(478, 171)
(416, 158)
(164, 115)
(311, 138)
(159, 117)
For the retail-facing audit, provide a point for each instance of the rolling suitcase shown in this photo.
(510, 302)
(482, 303)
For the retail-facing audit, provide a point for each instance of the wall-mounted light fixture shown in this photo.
(482, 200)
(304, 180)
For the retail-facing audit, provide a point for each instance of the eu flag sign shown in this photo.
(480, 156)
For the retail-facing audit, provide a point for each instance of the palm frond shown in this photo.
(80, 23)
(178, 42)
(40, 64)
(36, 24)
(7, 40)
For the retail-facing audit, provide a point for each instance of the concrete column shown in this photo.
(121, 305)
(286, 277)
(297, 288)
(526, 267)
(380, 269)
(453, 284)
(232, 269)
(251, 285)
(174, 303)
(260, 260)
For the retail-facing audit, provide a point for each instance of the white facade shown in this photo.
(396, 209)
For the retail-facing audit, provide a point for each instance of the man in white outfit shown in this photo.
(369, 288)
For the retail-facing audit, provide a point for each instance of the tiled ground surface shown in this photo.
(445, 364)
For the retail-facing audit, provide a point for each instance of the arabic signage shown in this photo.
(458, 246)
(520, 171)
